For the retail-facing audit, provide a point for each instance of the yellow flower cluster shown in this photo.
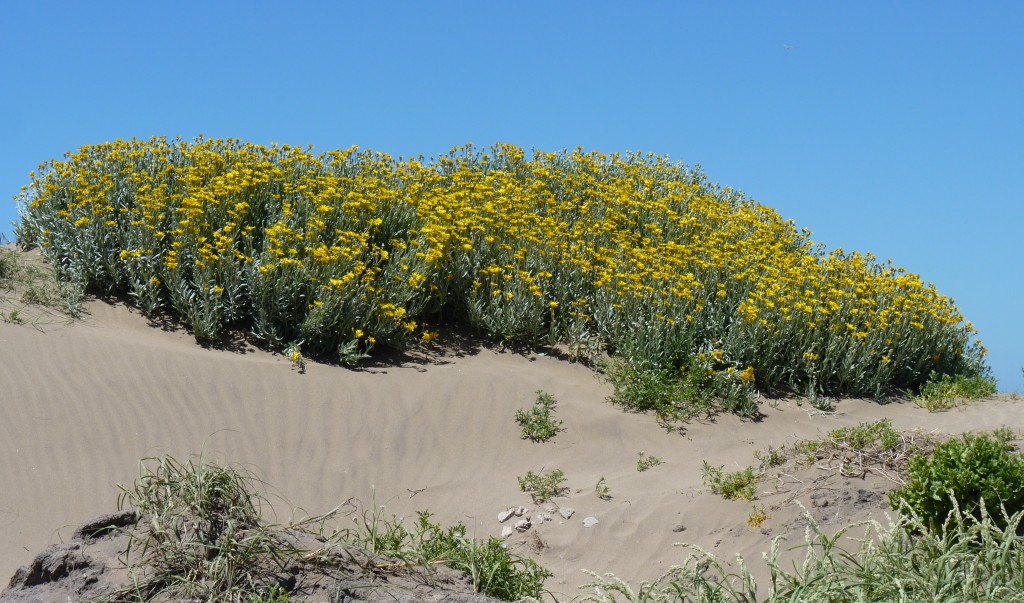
(633, 250)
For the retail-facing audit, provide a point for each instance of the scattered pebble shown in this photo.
(566, 512)
(506, 531)
(679, 528)
(520, 511)
(542, 517)
(590, 522)
(504, 515)
(522, 525)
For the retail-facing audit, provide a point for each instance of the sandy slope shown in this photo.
(83, 403)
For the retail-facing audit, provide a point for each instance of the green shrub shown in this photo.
(543, 486)
(537, 422)
(976, 470)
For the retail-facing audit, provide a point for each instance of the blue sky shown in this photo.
(895, 128)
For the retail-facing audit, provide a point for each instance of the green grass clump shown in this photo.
(538, 423)
(978, 472)
(732, 485)
(543, 486)
(942, 393)
(204, 540)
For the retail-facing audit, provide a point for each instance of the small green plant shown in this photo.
(757, 517)
(942, 393)
(276, 594)
(294, 354)
(731, 485)
(645, 461)
(602, 490)
(770, 458)
(538, 423)
(543, 486)
(976, 472)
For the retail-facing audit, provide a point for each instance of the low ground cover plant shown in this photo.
(543, 486)
(538, 422)
(645, 461)
(343, 252)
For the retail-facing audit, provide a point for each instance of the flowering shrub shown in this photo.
(343, 251)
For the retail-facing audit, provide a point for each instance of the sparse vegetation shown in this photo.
(975, 560)
(538, 423)
(645, 461)
(758, 515)
(200, 536)
(543, 486)
(602, 490)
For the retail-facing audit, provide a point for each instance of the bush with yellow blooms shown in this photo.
(339, 252)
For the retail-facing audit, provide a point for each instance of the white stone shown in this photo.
(520, 511)
(566, 512)
(590, 522)
(523, 524)
(504, 515)
(506, 531)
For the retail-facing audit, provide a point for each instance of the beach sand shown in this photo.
(84, 402)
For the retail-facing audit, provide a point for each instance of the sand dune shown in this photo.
(83, 403)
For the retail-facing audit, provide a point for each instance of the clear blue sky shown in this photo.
(890, 127)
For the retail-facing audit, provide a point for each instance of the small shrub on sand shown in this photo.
(733, 485)
(645, 461)
(538, 423)
(543, 486)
